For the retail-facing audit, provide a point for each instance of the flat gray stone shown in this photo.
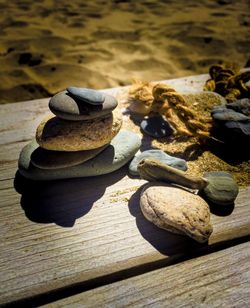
(89, 96)
(163, 157)
(222, 188)
(224, 114)
(241, 105)
(46, 159)
(121, 149)
(67, 107)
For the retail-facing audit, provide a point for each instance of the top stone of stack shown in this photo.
(77, 104)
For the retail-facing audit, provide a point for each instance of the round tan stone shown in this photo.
(176, 210)
(57, 134)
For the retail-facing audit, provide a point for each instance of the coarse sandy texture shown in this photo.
(46, 46)
(56, 134)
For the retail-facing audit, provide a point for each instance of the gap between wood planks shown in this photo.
(70, 290)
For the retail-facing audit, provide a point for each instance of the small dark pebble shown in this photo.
(156, 127)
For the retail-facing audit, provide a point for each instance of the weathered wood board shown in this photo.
(75, 231)
(203, 281)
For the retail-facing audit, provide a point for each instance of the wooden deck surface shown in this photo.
(66, 237)
(200, 282)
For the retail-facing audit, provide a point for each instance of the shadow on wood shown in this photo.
(62, 201)
(165, 242)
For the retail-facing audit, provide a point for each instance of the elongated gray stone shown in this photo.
(121, 149)
(224, 114)
(163, 157)
(87, 95)
(70, 108)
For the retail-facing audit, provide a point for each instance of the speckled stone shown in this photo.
(89, 96)
(60, 135)
(121, 149)
(176, 210)
(163, 157)
(222, 188)
(70, 108)
(46, 159)
(156, 127)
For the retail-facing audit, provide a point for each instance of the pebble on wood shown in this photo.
(121, 149)
(163, 157)
(70, 108)
(87, 95)
(222, 188)
(156, 127)
(176, 210)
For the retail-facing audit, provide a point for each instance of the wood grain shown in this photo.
(204, 281)
(55, 235)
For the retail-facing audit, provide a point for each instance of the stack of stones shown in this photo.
(82, 138)
(232, 122)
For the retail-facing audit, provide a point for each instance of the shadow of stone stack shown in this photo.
(84, 138)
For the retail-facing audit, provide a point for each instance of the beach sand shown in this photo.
(47, 45)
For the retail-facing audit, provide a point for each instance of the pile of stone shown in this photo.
(232, 122)
(82, 137)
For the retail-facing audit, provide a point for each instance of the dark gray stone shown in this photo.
(121, 149)
(89, 96)
(221, 189)
(156, 127)
(224, 114)
(66, 107)
(241, 105)
(163, 157)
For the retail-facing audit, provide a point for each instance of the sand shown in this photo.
(48, 45)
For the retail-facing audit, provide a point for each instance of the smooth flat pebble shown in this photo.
(69, 108)
(46, 159)
(60, 135)
(121, 149)
(176, 210)
(222, 188)
(90, 96)
(156, 127)
(163, 157)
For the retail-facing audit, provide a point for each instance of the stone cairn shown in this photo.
(82, 138)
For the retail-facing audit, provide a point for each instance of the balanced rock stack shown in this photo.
(82, 138)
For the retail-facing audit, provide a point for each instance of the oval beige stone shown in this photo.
(176, 210)
(56, 134)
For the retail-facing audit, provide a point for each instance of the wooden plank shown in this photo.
(110, 234)
(79, 230)
(220, 279)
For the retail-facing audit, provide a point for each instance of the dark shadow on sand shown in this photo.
(62, 201)
(165, 242)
